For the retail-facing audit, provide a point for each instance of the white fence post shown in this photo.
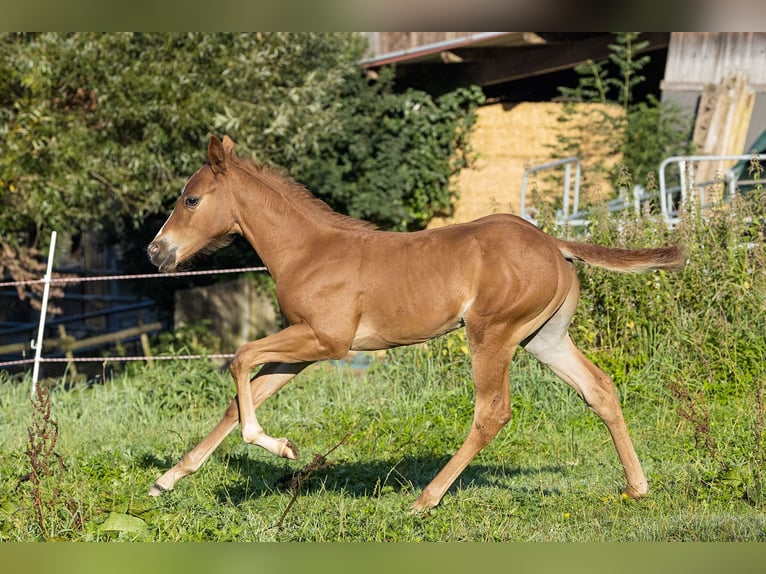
(38, 346)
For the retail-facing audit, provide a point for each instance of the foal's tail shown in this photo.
(672, 257)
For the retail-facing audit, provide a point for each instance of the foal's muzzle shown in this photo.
(161, 255)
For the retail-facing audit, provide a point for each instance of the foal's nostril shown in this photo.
(154, 251)
(161, 255)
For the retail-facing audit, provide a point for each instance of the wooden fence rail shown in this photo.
(68, 344)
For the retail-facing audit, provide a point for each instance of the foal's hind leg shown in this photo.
(269, 380)
(491, 362)
(553, 346)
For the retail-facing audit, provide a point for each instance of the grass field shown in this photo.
(686, 352)
(551, 474)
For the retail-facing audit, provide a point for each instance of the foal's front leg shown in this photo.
(297, 343)
(268, 381)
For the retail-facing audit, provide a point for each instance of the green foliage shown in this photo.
(101, 130)
(193, 339)
(393, 155)
(595, 83)
(642, 133)
(653, 131)
(704, 328)
(720, 293)
(105, 127)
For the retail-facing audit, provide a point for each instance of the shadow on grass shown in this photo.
(361, 479)
(152, 461)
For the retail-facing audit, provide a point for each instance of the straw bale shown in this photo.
(508, 138)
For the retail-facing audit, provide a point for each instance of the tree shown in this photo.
(392, 159)
(100, 131)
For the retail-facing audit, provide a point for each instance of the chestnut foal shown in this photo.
(343, 285)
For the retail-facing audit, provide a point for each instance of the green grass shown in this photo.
(685, 350)
(551, 475)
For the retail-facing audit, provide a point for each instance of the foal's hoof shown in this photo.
(416, 510)
(423, 504)
(634, 493)
(289, 449)
(156, 490)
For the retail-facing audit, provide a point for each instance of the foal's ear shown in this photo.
(228, 145)
(216, 155)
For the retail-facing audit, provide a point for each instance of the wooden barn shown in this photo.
(719, 77)
(722, 76)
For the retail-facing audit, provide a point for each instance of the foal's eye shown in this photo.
(191, 202)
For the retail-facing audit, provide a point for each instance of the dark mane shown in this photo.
(298, 193)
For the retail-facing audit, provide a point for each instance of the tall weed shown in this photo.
(702, 331)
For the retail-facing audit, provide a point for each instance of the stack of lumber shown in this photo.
(722, 122)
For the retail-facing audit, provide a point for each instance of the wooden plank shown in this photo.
(66, 343)
(704, 115)
(699, 58)
(115, 337)
(722, 124)
(147, 349)
(69, 355)
(13, 348)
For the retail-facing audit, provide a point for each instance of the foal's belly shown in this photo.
(376, 341)
(398, 329)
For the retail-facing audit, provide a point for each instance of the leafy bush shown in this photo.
(640, 133)
(100, 131)
(392, 159)
(701, 331)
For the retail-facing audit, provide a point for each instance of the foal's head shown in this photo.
(204, 218)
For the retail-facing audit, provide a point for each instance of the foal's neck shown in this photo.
(285, 223)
